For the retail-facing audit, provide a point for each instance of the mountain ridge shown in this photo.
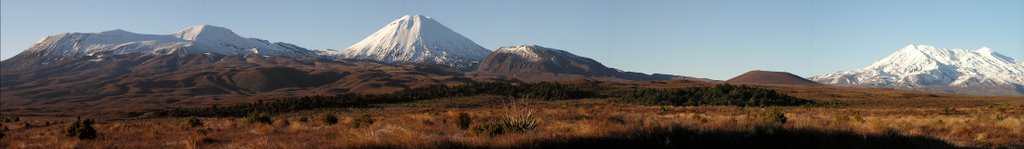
(925, 67)
(537, 63)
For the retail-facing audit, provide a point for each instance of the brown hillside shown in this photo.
(770, 77)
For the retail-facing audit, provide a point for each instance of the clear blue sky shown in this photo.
(715, 39)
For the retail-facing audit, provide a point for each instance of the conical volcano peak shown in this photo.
(414, 17)
(417, 39)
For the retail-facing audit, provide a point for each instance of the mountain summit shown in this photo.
(924, 67)
(416, 39)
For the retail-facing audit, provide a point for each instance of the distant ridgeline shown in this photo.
(716, 95)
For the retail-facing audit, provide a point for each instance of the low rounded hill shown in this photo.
(770, 77)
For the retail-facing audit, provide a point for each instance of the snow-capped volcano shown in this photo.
(416, 39)
(194, 39)
(923, 67)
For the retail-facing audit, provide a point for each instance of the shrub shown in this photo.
(858, 118)
(282, 123)
(328, 119)
(516, 118)
(487, 128)
(361, 121)
(520, 122)
(204, 131)
(776, 116)
(82, 129)
(258, 118)
(519, 118)
(303, 119)
(462, 120)
(949, 111)
(192, 122)
(1000, 117)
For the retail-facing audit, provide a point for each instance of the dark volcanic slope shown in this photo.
(533, 63)
(770, 77)
(190, 79)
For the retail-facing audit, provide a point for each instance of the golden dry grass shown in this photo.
(431, 123)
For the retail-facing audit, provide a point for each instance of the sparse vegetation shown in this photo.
(487, 121)
(517, 117)
(462, 120)
(949, 111)
(81, 129)
(776, 117)
(361, 121)
(593, 123)
(259, 118)
(487, 128)
(543, 91)
(328, 119)
(192, 122)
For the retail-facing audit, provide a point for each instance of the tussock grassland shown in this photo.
(598, 123)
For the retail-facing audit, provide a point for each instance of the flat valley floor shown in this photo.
(889, 120)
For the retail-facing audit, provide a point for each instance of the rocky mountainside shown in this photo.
(537, 63)
(416, 39)
(928, 68)
(198, 39)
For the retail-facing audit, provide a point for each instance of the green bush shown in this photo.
(362, 121)
(328, 119)
(258, 118)
(462, 120)
(192, 122)
(82, 129)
